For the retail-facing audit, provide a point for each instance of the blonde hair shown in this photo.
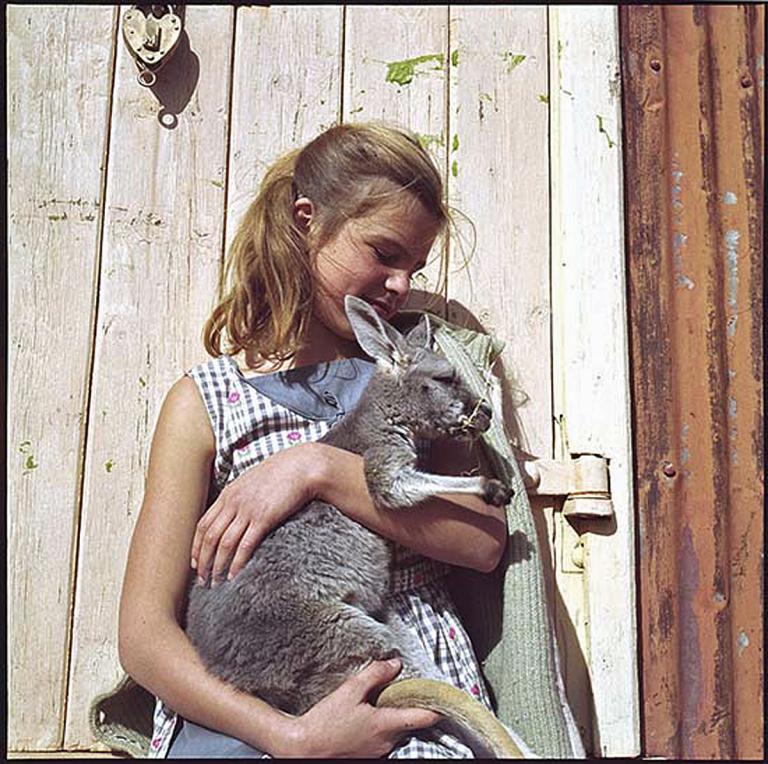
(346, 172)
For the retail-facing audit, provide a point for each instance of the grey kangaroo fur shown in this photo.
(310, 607)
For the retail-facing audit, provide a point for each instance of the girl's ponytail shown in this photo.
(268, 273)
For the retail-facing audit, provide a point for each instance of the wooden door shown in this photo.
(122, 200)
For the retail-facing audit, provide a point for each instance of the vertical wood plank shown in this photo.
(287, 89)
(160, 266)
(57, 108)
(400, 78)
(498, 177)
(590, 350)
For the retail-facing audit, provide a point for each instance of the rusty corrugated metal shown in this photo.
(693, 105)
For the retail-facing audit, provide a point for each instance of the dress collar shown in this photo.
(321, 391)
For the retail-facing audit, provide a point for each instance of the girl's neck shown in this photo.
(320, 346)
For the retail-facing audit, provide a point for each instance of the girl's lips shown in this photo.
(382, 308)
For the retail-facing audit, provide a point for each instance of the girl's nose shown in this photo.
(399, 283)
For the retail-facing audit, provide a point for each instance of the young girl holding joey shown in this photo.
(356, 211)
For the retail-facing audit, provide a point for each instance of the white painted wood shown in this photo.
(58, 67)
(498, 177)
(400, 77)
(160, 264)
(286, 90)
(590, 345)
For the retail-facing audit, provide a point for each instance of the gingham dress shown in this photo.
(253, 418)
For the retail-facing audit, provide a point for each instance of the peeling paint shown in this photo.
(428, 141)
(403, 72)
(729, 197)
(685, 453)
(731, 238)
(602, 130)
(689, 645)
(742, 641)
(513, 60)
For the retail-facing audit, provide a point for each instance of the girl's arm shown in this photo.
(154, 649)
(458, 529)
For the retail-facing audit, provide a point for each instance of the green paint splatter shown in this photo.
(600, 127)
(403, 72)
(486, 96)
(24, 446)
(217, 183)
(108, 465)
(513, 59)
(455, 144)
(567, 92)
(543, 97)
(30, 463)
(356, 111)
(455, 169)
(142, 382)
(427, 141)
(455, 58)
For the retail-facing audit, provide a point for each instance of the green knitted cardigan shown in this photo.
(505, 612)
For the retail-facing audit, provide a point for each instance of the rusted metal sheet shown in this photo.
(693, 105)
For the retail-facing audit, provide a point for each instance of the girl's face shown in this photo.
(373, 257)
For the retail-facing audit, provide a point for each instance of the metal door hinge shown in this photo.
(583, 481)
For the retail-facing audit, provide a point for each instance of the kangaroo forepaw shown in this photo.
(497, 493)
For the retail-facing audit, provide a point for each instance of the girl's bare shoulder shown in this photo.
(183, 415)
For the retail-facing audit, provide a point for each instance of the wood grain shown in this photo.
(58, 108)
(591, 369)
(160, 264)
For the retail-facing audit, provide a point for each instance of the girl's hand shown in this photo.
(344, 724)
(249, 507)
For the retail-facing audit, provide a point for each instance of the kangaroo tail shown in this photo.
(484, 733)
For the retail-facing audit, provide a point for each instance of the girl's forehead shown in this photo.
(402, 217)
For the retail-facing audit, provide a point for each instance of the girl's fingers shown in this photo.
(210, 541)
(250, 540)
(202, 527)
(229, 541)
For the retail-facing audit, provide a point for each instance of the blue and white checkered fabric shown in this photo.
(249, 426)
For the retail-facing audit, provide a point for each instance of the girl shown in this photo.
(356, 211)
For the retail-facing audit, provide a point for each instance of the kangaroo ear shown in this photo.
(375, 336)
(421, 334)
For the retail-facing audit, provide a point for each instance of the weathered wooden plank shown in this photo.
(400, 78)
(498, 177)
(286, 90)
(590, 347)
(57, 108)
(160, 266)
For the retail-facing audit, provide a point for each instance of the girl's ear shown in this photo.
(303, 212)
(375, 336)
